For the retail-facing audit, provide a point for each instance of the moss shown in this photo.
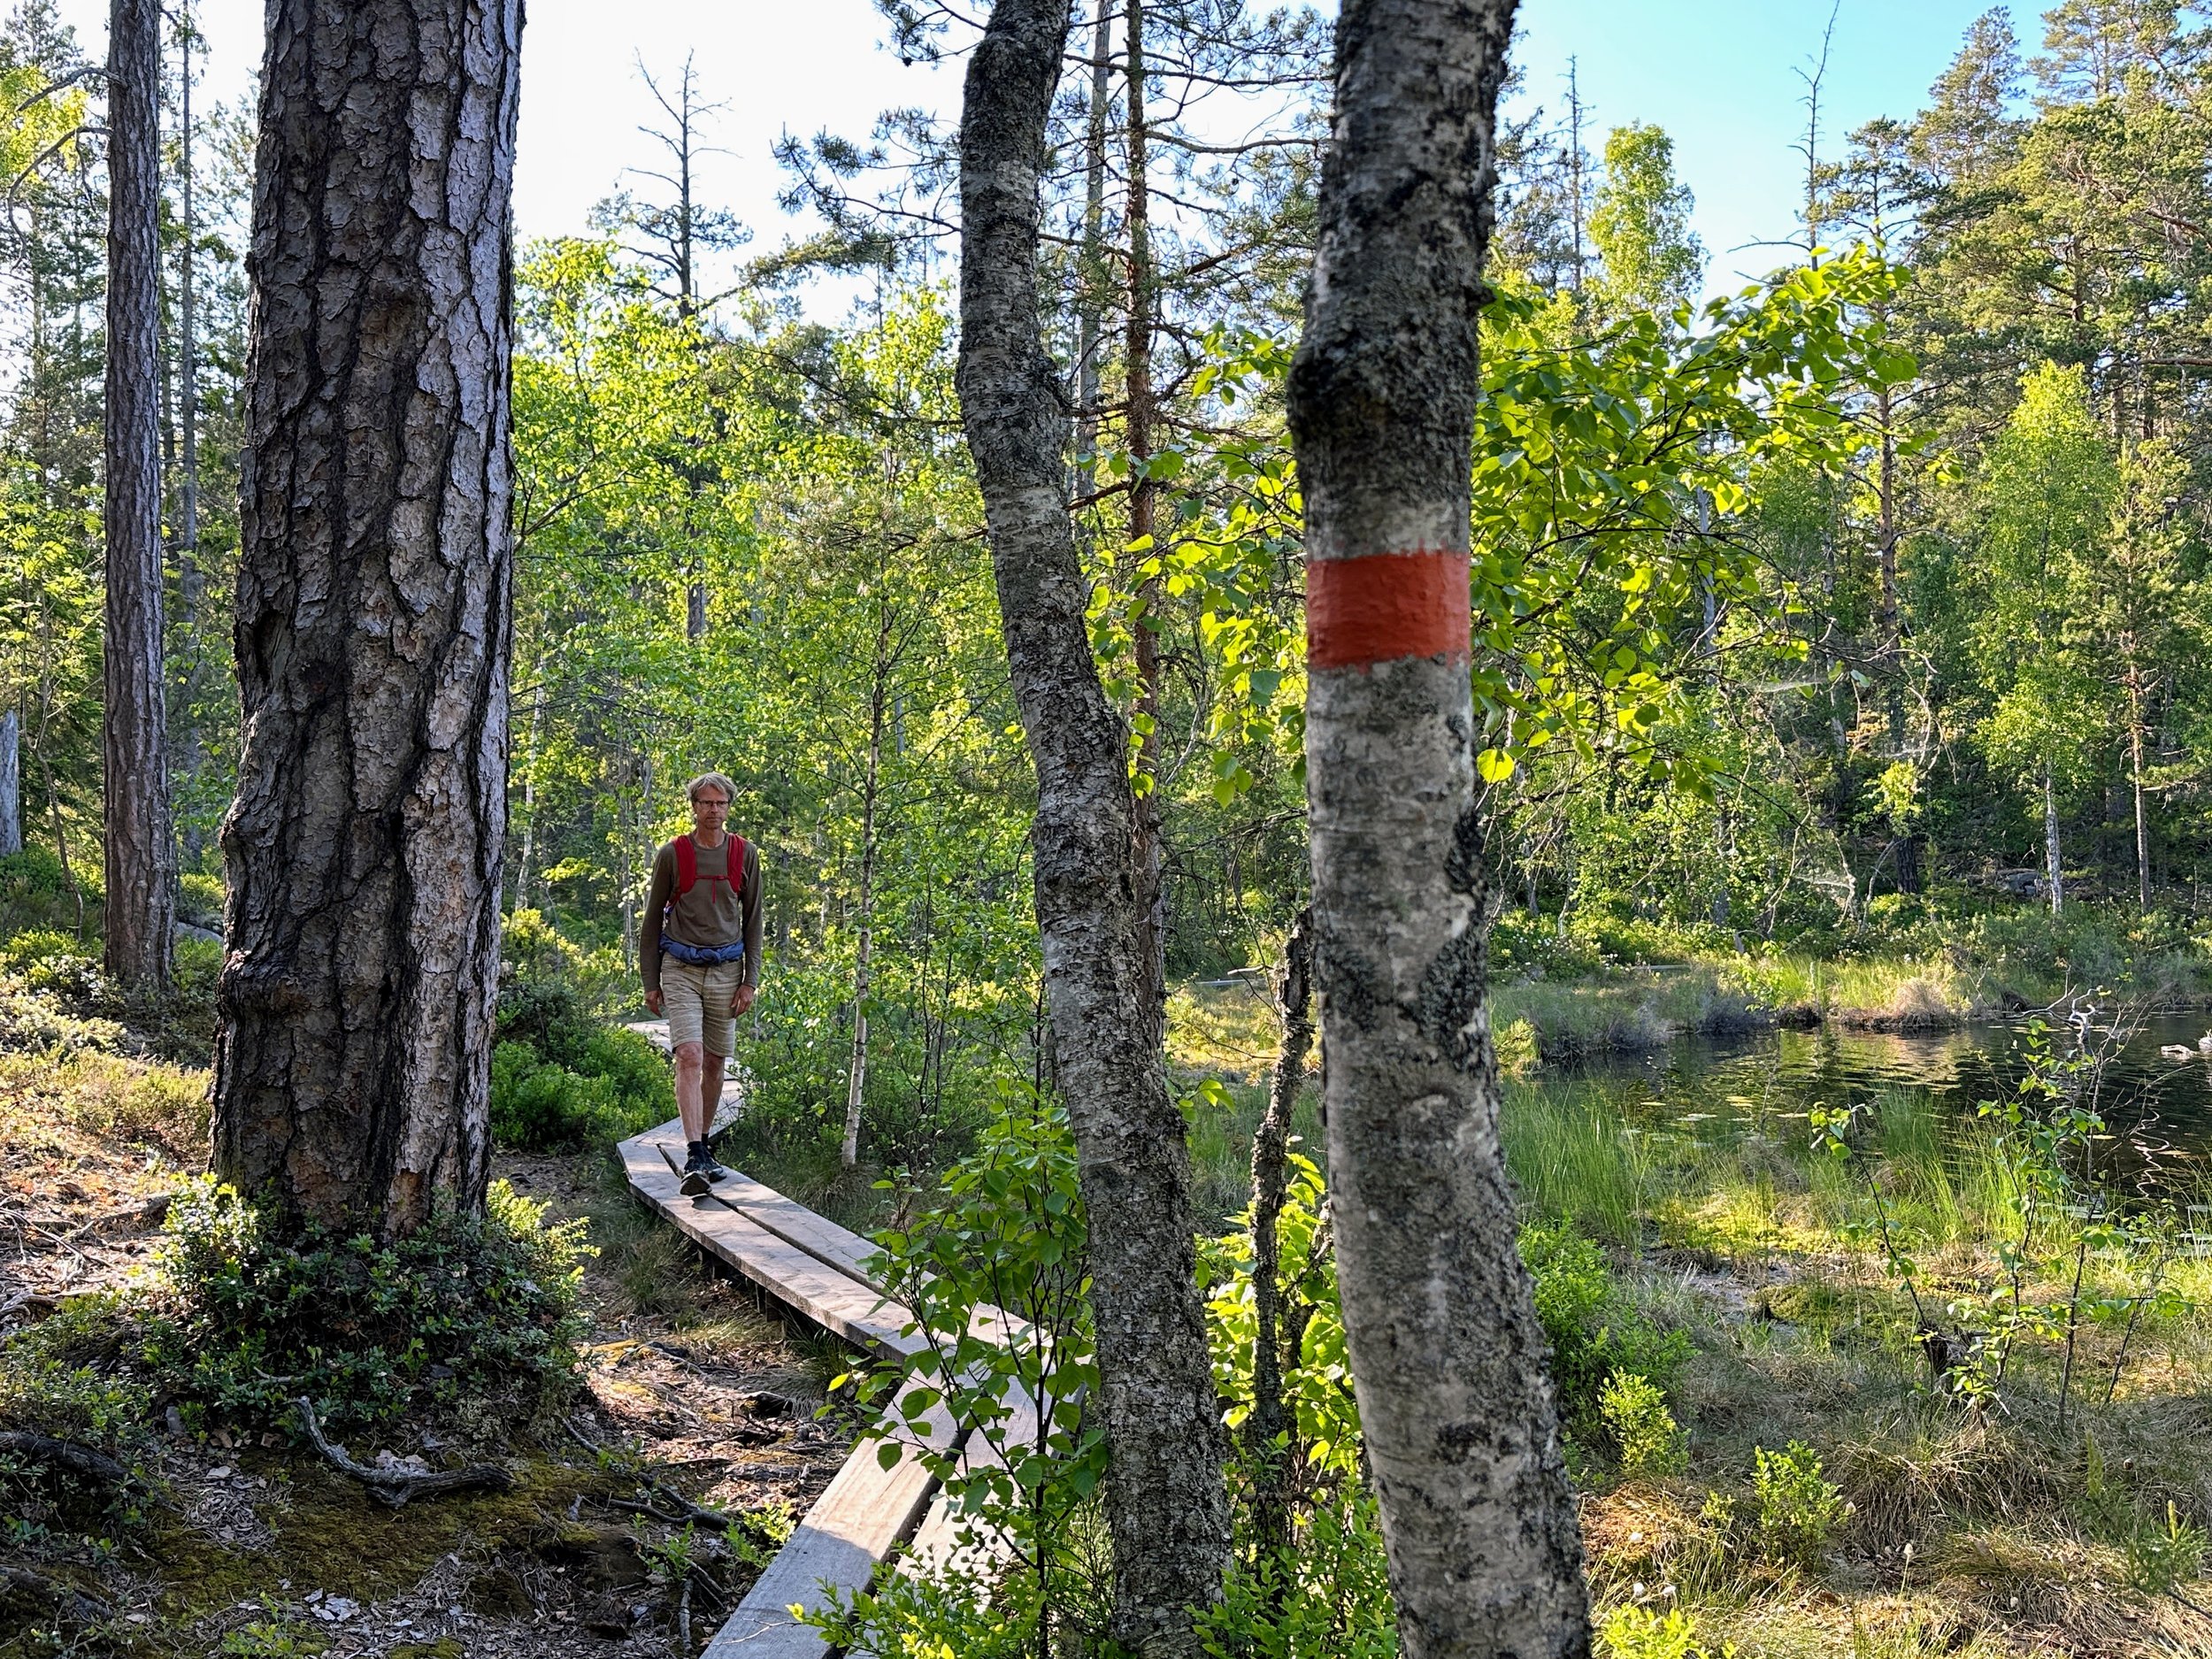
(330, 1535)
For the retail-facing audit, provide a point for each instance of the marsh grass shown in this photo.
(1628, 1011)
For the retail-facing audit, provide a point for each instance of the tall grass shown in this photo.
(1577, 1150)
(1573, 1159)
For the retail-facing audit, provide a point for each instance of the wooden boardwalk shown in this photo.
(820, 1269)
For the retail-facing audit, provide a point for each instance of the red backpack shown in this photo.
(688, 866)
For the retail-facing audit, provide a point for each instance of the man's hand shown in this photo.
(743, 1000)
(653, 1003)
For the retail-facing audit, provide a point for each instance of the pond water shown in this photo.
(2159, 1109)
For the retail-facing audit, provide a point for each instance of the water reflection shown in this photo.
(2159, 1108)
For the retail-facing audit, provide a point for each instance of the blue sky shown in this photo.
(1719, 76)
(1716, 74)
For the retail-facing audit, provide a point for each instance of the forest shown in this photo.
(1542, 927)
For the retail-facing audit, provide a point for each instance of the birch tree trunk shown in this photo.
(856, 1073)
(11, 783)
(373, 623)
(140, 840)
(1166, 1507)
(1447, 1359)
(2054, 871)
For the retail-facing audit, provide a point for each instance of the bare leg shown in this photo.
(688, 1066)
(710, 1093)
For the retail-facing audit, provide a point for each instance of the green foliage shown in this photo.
(1633, 1632)
(200, 899)
(58, 1377)
(995, 1277)
(1640, 224)
(1330, 1599)
(1316, 1380)
(620, 1085)
(469, 1321)
(2165, 1553)
(1799, 1510)
(1593, 1331)
(561, 1078)
(1635, 1414)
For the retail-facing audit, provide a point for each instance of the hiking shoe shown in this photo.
(709, 1168)
(696, 1180)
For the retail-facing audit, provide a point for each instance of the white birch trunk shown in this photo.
(1448, 1361)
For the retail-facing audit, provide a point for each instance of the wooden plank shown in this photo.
(830, 1298)
(834, 1246)
(765, 1206)
(861, 1517)
(937, 1548)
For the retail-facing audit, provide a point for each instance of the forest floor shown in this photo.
(687, 1389)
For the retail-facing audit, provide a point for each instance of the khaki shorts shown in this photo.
(697, 1000)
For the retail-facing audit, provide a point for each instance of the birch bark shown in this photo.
(2054, 868)
(1166, 1506)
(373, 621)
(1449, 1362)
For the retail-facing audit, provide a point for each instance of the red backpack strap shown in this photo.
(687, 864)
(737, 866)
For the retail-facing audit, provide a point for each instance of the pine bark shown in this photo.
(140, 838)
(1166, 1507)
(1447, 1359)
(373, 622)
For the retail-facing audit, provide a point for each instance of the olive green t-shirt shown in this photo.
(716, 911)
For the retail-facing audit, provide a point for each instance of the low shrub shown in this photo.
(470, 1320)
(617, 1084)
(1593, 1331)
(563, 1078)
(34, 892)
(1645, 1433)
(1799, 1508)
(58, 1377)
(1645, 1632)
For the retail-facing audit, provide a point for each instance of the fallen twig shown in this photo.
(79, 1459)
(396, 1486)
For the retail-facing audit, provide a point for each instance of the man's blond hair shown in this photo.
(711, 781)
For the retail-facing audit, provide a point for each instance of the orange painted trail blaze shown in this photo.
(1384, 606)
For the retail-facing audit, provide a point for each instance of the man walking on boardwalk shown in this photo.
(702, 915)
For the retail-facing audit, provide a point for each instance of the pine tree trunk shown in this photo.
(2142, 801)
(191, 579)
(1144, 498)
(140, 842)
(1447, 1359)
(1166, 1506)
(373, 626)
(2054, 872)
